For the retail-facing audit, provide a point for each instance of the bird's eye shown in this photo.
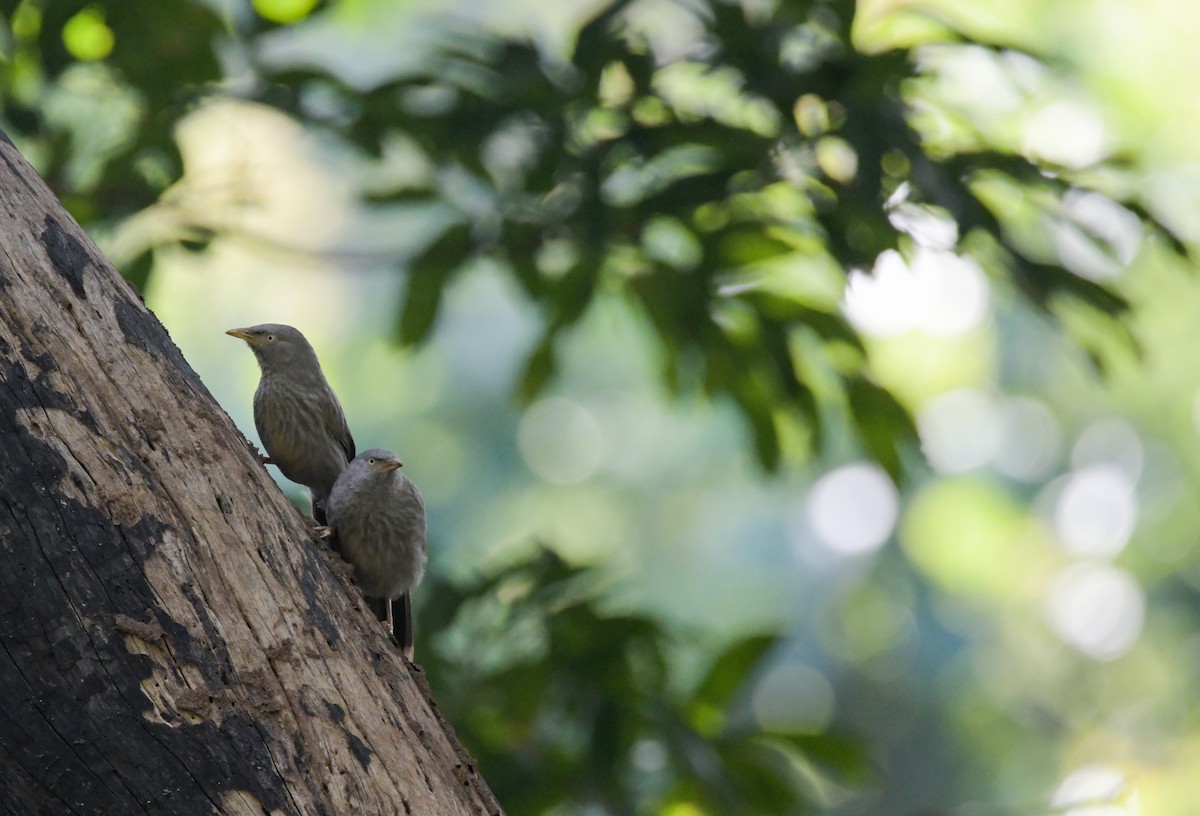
(270, 338)
(371, 461)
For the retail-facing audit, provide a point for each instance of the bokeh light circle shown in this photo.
(852, 510)
(1098, 609)
(792, 698)
(560, 440)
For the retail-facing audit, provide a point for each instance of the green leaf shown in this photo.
(138, 270)
(284, 11)
(678, 303)
(757, 410)
(405, 195)
(572, 294)
(198, 239)
(1174, 242)
(748, 246)
(428, 275)
(597, 46)
(540, 368)
(1040, 281)
(829, 325)
(729, 670)
(842, 754)
(884, 426)
(764, 778)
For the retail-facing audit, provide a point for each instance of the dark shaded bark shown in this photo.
(172, 638)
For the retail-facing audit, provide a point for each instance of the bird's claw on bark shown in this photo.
(322, 532)
(259, 455)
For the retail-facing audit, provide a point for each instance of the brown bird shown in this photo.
(377, 518)
(298, 417)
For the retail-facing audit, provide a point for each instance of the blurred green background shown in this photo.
(802, 392)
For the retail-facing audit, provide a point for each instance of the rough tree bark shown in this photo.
(172, 639)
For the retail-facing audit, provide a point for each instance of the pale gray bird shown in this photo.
(298, 417)
(377, 519)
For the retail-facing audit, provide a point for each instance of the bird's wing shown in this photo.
(260, 421)
(335, 424)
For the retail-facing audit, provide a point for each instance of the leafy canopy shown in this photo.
(725, 190)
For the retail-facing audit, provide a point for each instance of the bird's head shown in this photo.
(274, 344)
(376, 463)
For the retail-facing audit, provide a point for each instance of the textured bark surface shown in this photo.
(172, 639)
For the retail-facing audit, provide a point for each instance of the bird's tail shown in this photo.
(398, 617)
(405, 636)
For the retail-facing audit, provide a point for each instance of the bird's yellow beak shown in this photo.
(241, 334)
(392, 464)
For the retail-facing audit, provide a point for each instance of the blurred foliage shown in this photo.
(161, 62)
(601, 724)
(725, 189)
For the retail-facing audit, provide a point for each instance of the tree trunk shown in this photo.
(172, 638)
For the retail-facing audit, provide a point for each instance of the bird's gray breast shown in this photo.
(382, 534)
